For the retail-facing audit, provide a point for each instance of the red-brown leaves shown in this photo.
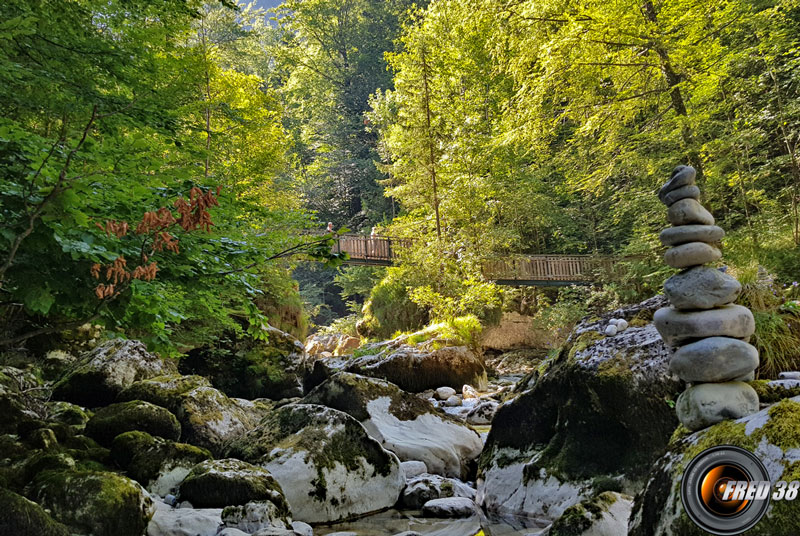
(154, 225)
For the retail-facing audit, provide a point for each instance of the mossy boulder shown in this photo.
(230, 482)
(92, 502)
(166, 391)
(426, 487)
(17, 407)
(329, 468)
(207, 416)
(156, 463)
(105, 371)
(415, 370)
(601, 408)
(21, 517)
(603, 515)
(770, 392)
(403, 422)
(244, 367)
(772, 434)
(67, 413)
(107, 423)
(259, 517)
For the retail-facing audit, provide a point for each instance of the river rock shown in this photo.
(414, 369)
(681, 176)
(482, 413)
(596, 410)
(790, 375)
(611, 330)
(427, 487)
(714, 359)
(443, 393)
(105, 371)
(21, 517)
(302, 529)
(604, 515)
(771, 434)
(689, 212)
(208, 418)
(256, 516)
(452, 507)
(452, 401)
(691, 254)
(678, 327)
(110, 421)
(468, 391)
(674, 236)
(94, 502)
(709, 403)
(169, 521)
(701, 287)
(157, 464)
(690, 191)
(403, 422)
(329, 468)
(242, 366)
(413, 468)
(219, 483)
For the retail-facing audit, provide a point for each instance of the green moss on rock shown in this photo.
(230, 482)
(97, 503)
(769, 394)
(123, 417)
(351, 393)
(244, 367)
(144, 457)
(165, 391)
(21, 517)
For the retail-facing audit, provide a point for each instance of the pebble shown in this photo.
(611, 330)
(681, 176)
(714, 359)
(701, 287)
(674, 236)
(450, 507)
(684, 192)
(468, 391)
(443, 393)
(412, 468)
(691, 254)
(679, 327)
(622, 325)
(302, 529)
(705, 404)
(453, 401)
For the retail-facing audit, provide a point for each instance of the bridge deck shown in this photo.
(518, 270)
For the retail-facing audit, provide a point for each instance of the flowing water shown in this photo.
(393, 522)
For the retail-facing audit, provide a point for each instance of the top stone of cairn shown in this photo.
(682, 176)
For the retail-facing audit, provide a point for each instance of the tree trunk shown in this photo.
(432, 155)
(673, 80)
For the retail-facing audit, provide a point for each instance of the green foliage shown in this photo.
(390, 309)
(344, 324)
(107, 123)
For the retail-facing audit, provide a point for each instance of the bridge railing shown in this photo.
(370, 249)
(562, 268)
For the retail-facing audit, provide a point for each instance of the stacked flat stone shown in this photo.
(709, 333)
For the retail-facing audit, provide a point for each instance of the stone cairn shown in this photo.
(710, 335)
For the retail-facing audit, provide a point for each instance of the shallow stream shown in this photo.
(393, 522)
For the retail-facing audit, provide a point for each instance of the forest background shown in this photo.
(168, 168)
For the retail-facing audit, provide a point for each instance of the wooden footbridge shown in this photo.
(518, 270)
